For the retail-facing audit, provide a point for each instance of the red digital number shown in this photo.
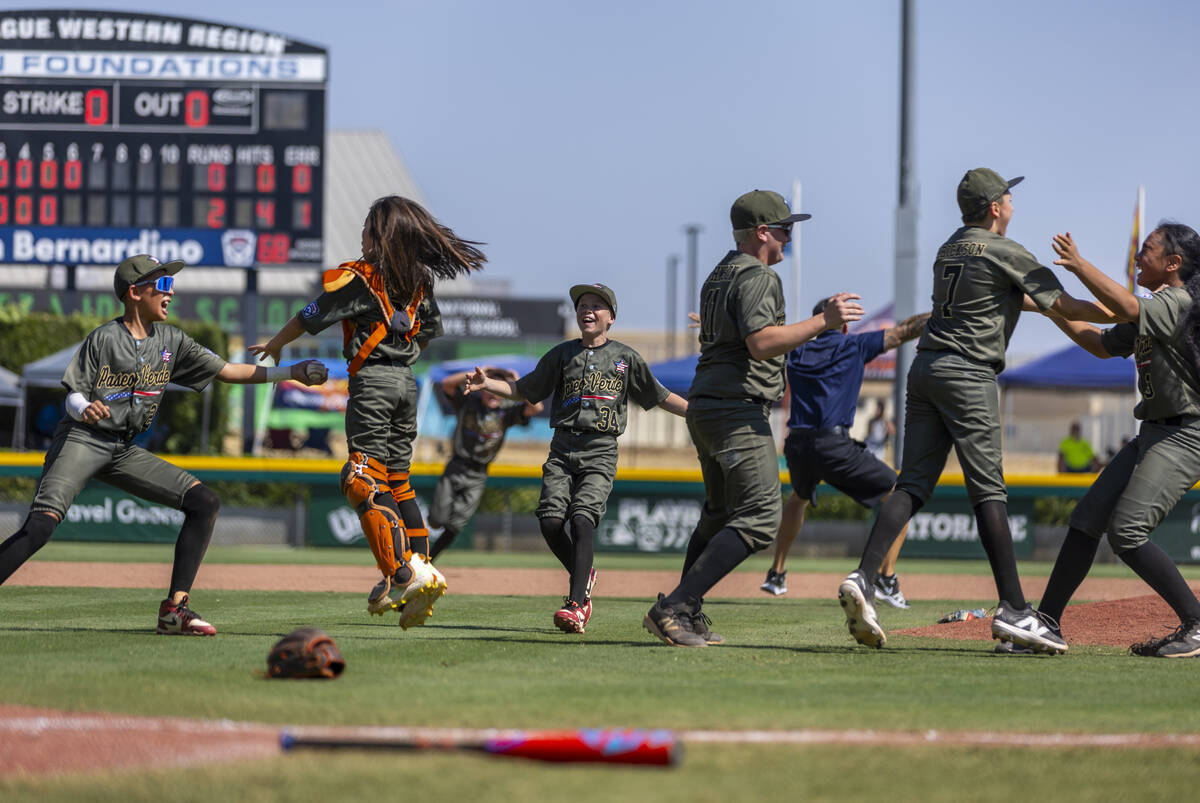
(73, 174)
(216, 177)
(264, 178)
(4, 173)
(303, 212)
(23, 210)
(48, 175)
(264, 214)
(273, 248)
(215, 217)
(301, 178)
(24, 173)
(3, 210)
(195, 108)
(95, 107)
(48, 210)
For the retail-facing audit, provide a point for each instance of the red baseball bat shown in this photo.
(654, 747)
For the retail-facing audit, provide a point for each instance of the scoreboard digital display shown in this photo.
(122, 133)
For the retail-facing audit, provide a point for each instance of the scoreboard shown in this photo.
(124, 133)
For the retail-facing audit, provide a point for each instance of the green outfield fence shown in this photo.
(650, 510)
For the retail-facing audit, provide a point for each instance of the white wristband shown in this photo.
(76, 404)
(279, 373)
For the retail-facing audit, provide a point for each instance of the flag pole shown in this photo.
(797, 306)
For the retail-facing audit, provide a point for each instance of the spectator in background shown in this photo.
(880, 429)
(1075, 455)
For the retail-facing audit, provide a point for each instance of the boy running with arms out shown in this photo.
(591, 379)
(481, 423)
(115, 383)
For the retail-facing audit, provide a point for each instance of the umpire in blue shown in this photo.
(824, 378)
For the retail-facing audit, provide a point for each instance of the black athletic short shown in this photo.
(829, 455)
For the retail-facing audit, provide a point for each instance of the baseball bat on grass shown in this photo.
(654, 747)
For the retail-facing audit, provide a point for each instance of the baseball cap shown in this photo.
(762, 208)
(137, 267)
(601, 290)
(979, 187)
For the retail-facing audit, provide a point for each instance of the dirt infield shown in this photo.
(37, 741)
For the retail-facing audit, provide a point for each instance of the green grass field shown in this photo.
(498, 662)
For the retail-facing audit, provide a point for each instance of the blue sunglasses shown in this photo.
(162, 284)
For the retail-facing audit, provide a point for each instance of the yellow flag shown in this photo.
(1135, 240)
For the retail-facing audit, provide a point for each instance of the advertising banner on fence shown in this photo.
(946, 528)
(101, 513)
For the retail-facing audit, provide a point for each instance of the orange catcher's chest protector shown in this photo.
(403, 321)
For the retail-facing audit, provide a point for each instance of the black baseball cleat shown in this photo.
(1028, 628)
(1184, 642)
(672, 624)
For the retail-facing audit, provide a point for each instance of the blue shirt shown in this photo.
(825, 375)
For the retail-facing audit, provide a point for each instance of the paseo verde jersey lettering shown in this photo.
(591, 386)
(1167, 378)
(740, 297)
(979, 279)
(131, 375)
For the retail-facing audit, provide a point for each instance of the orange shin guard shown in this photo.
(364, 484)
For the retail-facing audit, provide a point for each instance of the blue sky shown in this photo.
(578, 139)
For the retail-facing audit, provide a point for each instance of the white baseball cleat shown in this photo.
(854, 595)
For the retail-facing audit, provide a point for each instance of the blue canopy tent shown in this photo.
(676, 375)
(1074, 368)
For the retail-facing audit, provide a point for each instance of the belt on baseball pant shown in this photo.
(814, 431)
(743, 399)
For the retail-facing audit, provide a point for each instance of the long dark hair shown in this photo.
(412, 248)
(1183, 241)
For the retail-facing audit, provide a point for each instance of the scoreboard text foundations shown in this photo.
(122, 133)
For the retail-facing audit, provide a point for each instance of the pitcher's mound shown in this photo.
(1115, 623)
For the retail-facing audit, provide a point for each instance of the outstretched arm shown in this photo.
(771, 341)
(1086, 335)
(272, 348)
(478, 380)
(907, 329)
(239, 373)
(1123, 304)
(674, 403)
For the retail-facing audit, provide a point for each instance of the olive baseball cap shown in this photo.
(136, 268)
(604, 291)
(762, 208)
(979, 187)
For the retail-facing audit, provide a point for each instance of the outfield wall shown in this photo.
(650, 510)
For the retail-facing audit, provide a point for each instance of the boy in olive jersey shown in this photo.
(115, 383)
(980, 279)
(482, 421)
(743, 340)
(592, 380)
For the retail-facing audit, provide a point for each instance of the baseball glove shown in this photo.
(305, 653)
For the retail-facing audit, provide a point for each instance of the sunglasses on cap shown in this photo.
(163, 284)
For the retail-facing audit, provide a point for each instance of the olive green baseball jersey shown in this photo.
(979, 280)
(480, 430)
(592, 386)
(130, 375)
(1166, 372)
(354, 302)
(740, 297)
